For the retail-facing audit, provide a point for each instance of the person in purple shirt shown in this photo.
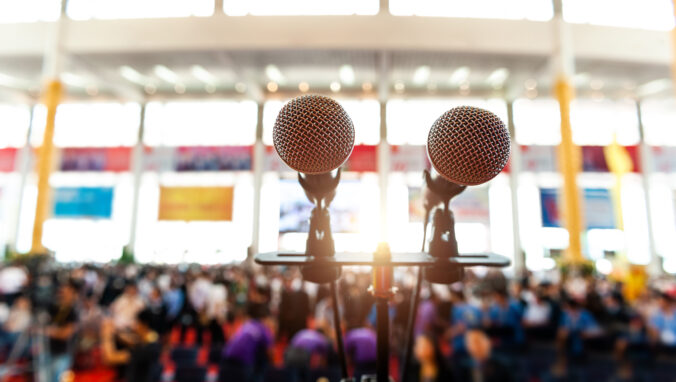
(308, 349)
(250, 346)
(360, 347)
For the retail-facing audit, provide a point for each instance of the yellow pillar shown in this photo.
(569, 165)
(52, 97)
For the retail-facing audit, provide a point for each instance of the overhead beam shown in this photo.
(378, 32)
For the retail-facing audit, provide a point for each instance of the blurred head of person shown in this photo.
(478, 345)
(131, 289)
(142, 325)
(67, 293)
(665, 302)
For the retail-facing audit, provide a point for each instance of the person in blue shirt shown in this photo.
(464, 317)
(503, 319)
(576, 325)
(662, 324)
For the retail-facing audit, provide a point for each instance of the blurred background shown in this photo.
(140, 132)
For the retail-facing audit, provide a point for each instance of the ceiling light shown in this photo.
(150, 88)
(303, 86)
(653, 87)
(13, 82)
(346, 74)
(210, 88)
(335, 86)
(367, 86)
(530, 84)
(498, 77)
(274, 74)
(92, 90)
(202, 74)
(399, 86)
(421, 75)
(272, 86)
(596, 84)
(240, 87)
(74, 80)
(179, 88)
(459, 75)
(130, 74)
(165, 74)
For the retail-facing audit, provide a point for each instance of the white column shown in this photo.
(514, 171)
(22, 166)
(647, 166)
(137, 172)
(383, 147)
(258, 159)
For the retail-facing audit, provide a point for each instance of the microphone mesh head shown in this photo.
(468, 145)
(313, 134)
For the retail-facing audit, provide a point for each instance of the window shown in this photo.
(14, 125)
(365, 115)
(596, 122)
(659, 122)
(132, 9)
(537, 122)
(409, 121)
(300, 7)
(537, 10)
(645, 14)
(200, 123)
(90, 124)
(26, 11)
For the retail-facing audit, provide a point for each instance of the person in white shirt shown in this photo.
(13, 279)
(198, 296)
(125, 307)
(217, 311)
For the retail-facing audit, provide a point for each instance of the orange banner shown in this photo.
(196, 203)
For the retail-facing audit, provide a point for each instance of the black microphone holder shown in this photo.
(320, 264)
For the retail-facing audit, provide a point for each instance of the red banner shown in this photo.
(7, 159)
(115, 159)
(363, 159)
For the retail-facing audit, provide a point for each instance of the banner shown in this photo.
(594, 158)
(83, 202)
(471, 206)
(538, 158)
(115, 159)
(362, 159)
(664, 158)
(213, 158)
(598, 208)
(408, 158)
(295, 209)
(196, 203)
(7, 159)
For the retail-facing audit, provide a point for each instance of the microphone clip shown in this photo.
(443, 244)
(320, 190)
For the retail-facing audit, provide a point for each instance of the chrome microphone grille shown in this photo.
(468, 145)
(313, 134)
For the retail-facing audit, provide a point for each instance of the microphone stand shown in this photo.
(320, 190)
(443, 245)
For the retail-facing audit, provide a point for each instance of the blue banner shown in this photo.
(598, 208)
(83, 202)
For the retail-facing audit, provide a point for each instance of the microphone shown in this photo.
(467, 146)
(314, 136)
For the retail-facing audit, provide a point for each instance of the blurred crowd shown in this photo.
(149, 323)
